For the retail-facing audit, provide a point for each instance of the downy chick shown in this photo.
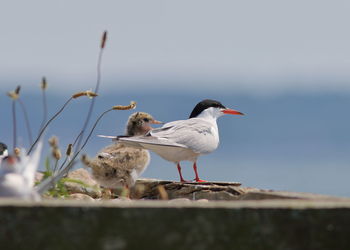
(119, 166)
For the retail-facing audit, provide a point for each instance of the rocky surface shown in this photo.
(214, 191)
(80, 197)
(80, 181)
(152, 189)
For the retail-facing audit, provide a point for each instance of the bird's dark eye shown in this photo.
(146, 119)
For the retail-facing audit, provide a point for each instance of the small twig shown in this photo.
(98, 81)
(14, 95)
(56, 165)
(43, 88)
(76, 139)
(29, 130)
(14, 123)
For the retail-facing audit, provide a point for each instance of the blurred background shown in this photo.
(286, 65)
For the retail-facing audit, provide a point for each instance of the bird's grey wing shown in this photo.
(108, 136)
(141, 141)
(196, 134)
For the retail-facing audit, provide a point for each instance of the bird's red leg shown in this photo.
(179, 170)
(196, 173)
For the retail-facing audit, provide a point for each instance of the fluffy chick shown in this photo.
(118, 165)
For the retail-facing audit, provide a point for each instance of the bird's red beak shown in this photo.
(231, 112)
(156, 122)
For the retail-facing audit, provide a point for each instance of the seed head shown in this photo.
(17, 151)
(14, 95)
(69, 149)
(104, 39)
(132, 105)
(53, 141)
(87, 93)
(18, 89)
(56, 153)
(43, 83)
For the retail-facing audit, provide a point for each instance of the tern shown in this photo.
(17, 175)
(3, 151)
(185, 140)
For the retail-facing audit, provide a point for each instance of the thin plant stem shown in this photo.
(76, 139)
(44, 109)
(98, 81)
(47, 124)
(29, 130)
(63, 163)
(56, 165)
(14, 123)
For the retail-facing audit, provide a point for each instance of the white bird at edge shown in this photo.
(17, 175)
(184, 140)
(3, 151)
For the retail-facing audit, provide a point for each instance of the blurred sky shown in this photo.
(252, 46)
(284, 63)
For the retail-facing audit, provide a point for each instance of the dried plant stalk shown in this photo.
(87, 93)
(98, 81)
(14, 123)
(43, 83)
(43, 88)
(14, 95)
(132, 105)
(26, 118)
(104, 39)
(18, 89)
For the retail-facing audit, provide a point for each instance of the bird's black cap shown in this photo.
(207, 103)
(3, 147)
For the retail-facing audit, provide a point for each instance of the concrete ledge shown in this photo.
(267, 224)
